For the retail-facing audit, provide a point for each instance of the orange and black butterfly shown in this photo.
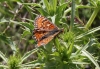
(44, 30)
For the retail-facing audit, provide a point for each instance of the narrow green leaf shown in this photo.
(88, 32)
(87, 54)
(25, 24)
(3, 66)
(91, 58)
(42, 12)
(54, 5)
(60, 9)
(8, 41)
(47, 5)
(32, 64)
(90, 43)
(33, 4)
(28, 25)
(3, 57)
(25, 33)
(93, 16)
(26, 55)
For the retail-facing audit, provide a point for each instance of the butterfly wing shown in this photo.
(46, 40)
(44, 30)
(38, 35)
(43, 24)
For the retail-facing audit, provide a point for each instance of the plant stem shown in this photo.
(72, 15)
(90, 21)
(71, 26)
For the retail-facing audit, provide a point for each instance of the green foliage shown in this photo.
(77, 47)
(13, 62)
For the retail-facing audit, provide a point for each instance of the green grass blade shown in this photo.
(54, 6)
(91, 58)
(88, 32)
(26, 55)
(3, 66)
(47, 5)
(87, 54)
(72, 15)
(90, 21)
(3, 57)
(9, 42)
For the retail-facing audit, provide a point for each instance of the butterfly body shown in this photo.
(44, 30)
(53, 32)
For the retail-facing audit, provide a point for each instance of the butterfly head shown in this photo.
(61, 30)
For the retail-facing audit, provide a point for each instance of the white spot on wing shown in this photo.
(48, 25)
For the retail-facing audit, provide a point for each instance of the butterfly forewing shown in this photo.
(43, 24)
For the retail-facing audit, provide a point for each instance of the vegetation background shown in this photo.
(78, 47)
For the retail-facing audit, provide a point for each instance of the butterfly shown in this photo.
(44, 30)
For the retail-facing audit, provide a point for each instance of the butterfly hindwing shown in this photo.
(46, 40)
(39, 34)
